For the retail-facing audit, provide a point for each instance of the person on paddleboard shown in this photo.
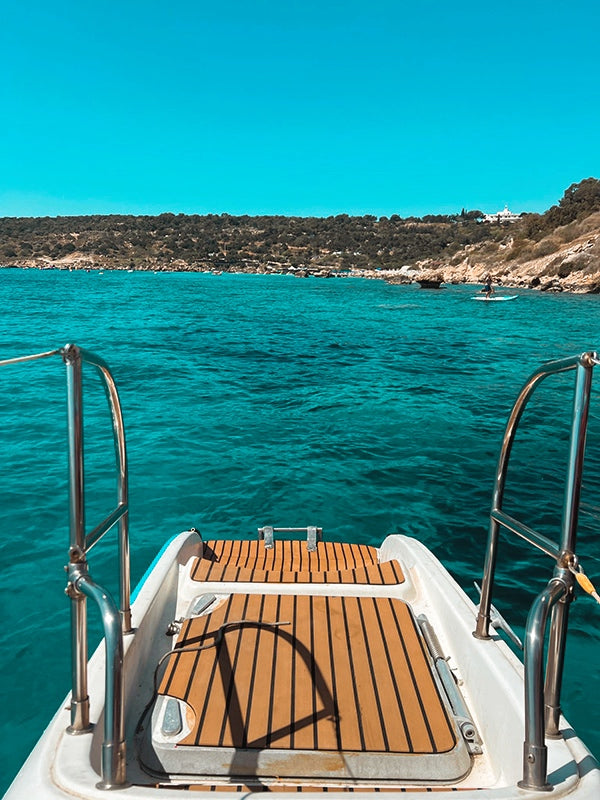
(488, 288)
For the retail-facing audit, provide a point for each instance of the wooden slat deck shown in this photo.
(291, 562)
(348, 674)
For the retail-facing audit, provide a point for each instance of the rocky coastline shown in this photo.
(557, 251)
(573, 268)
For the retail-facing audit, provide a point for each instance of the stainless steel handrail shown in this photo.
(74, 357)
(116, 620)
(542, 700)
(34, 357)
(113, 747)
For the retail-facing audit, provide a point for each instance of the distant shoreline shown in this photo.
(556, 251)
(435, 279)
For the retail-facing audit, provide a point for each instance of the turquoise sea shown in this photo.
(362, 407)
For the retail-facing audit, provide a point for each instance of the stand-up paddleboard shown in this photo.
(498, 297)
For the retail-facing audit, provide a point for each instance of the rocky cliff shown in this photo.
(568, 259)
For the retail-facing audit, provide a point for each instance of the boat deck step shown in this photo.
(292, 562)
(298, 685)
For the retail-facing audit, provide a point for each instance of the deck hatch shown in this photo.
(347, 682)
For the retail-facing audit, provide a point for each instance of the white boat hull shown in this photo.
(489, 674)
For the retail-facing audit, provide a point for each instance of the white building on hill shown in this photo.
(502, 216)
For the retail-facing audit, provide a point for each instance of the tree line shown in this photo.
(226, 241)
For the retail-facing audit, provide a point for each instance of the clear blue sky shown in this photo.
(286, 107)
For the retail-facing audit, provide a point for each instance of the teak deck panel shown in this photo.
(346, 674)
(291, 562)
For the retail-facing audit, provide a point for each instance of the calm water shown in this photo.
(365, 408)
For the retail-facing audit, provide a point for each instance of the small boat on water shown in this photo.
(287, 662)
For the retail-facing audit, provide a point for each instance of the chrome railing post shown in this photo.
(560, 613)
(72, 359)
(80, 703)
(113, 745)
(581, 403)
(556, 660)
(535, 752)
(122, 487)
(482, 626)
(124, 582)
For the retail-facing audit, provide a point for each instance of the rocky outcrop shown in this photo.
(548, 265)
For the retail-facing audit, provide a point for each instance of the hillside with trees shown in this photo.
(455, 247)
(228, 242)
(555, 251)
